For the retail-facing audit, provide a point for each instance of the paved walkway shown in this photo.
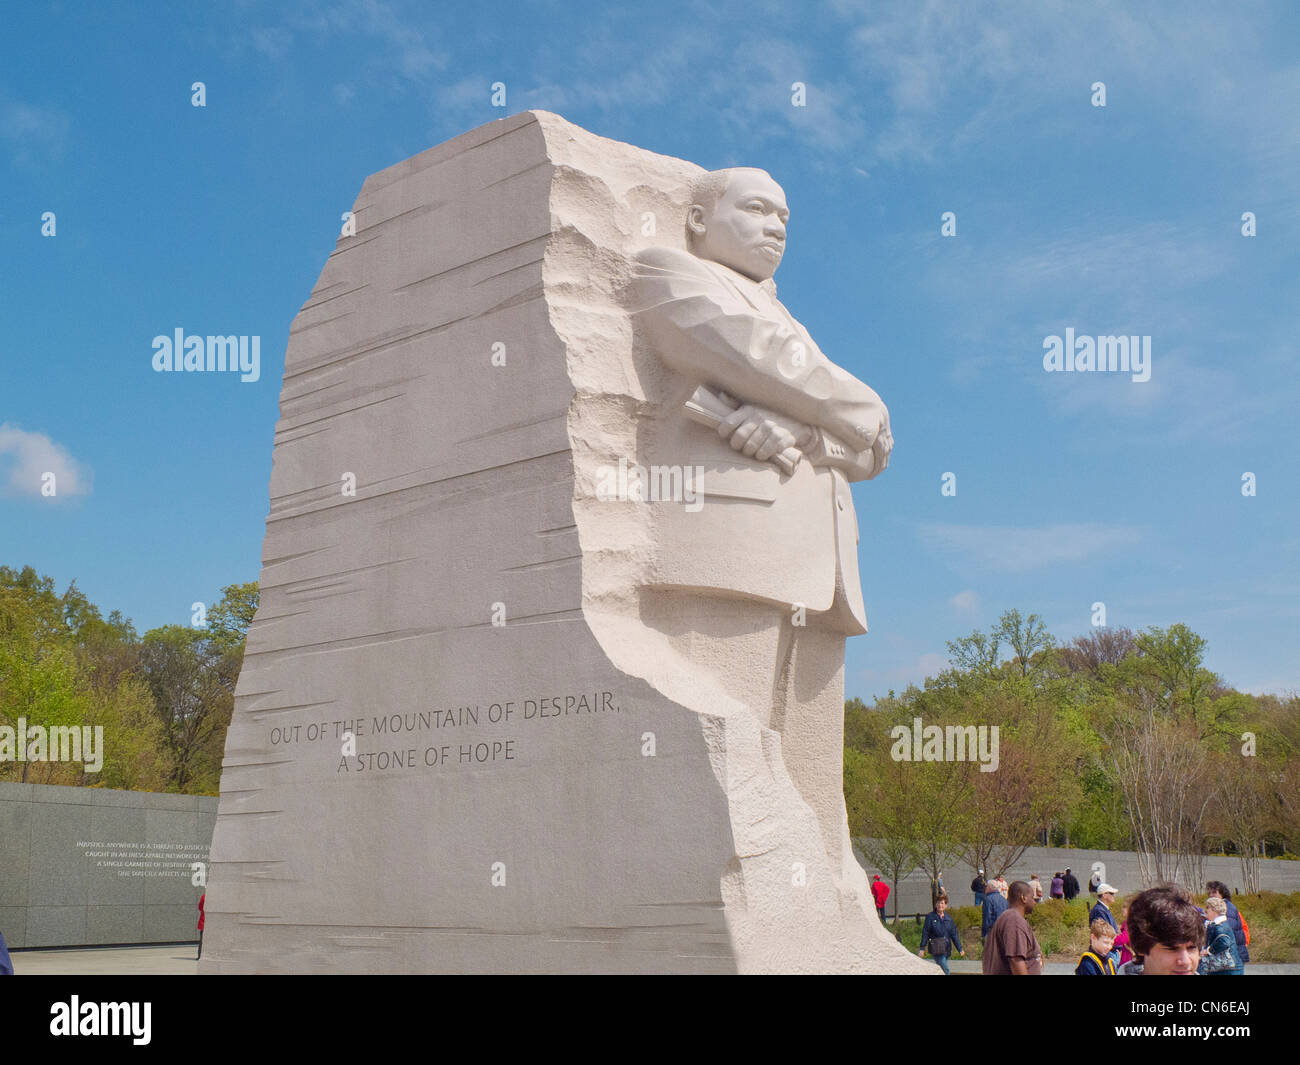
(178, 960)
(175, 960)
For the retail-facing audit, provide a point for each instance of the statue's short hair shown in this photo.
(708, 188)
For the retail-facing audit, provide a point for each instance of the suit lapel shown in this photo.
(728, 277)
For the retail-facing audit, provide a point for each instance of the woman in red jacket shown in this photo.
(880, 892)
(201, 915)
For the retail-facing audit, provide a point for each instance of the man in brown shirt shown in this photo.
(1011, 948)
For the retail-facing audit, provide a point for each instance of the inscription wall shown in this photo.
(89, 866)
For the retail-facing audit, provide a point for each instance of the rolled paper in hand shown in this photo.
(711, 408)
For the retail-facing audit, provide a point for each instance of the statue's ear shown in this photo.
(695, 220)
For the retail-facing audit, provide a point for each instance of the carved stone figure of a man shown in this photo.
(757, 589)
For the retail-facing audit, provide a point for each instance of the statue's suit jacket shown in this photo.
(787, 539)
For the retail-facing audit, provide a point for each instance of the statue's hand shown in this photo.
(883, 445)
(761, 433)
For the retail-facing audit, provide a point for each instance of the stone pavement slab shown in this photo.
(176, 959)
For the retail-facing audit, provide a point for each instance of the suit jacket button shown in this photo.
(839, 502)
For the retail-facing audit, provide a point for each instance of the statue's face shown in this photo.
(746, 230)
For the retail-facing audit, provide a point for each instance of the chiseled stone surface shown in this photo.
(572, 790)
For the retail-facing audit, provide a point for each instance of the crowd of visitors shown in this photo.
(1159, 931)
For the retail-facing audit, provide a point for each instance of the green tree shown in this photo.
(163, 702)
(1028, 638)
(229, 620)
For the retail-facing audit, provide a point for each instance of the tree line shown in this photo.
(163, 699)
(1115, 741)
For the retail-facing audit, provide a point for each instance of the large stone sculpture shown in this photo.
(548, 669)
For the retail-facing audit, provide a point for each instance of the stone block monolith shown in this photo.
(547, 672)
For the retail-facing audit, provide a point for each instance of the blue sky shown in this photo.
(1071, 488)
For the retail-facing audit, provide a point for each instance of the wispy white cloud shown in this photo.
(1016, 549)
(740, 77)
(1145, 279)
(1117, 258)
(26, 458)
(464, 96)
(755, 89)
(406, 42)
(878, 681)
(33, 134)
(272, 41)
(949, 74)
(1138, 274)
(966, 601)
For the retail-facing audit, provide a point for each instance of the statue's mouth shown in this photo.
(773, 249)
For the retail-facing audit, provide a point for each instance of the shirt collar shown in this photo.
(767, 287)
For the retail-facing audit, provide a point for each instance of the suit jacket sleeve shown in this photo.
(705, 332)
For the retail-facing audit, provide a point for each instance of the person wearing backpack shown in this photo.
(1097, 959)
(1240, 933)
(939, 934)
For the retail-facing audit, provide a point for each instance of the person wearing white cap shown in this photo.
(1105, 896)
